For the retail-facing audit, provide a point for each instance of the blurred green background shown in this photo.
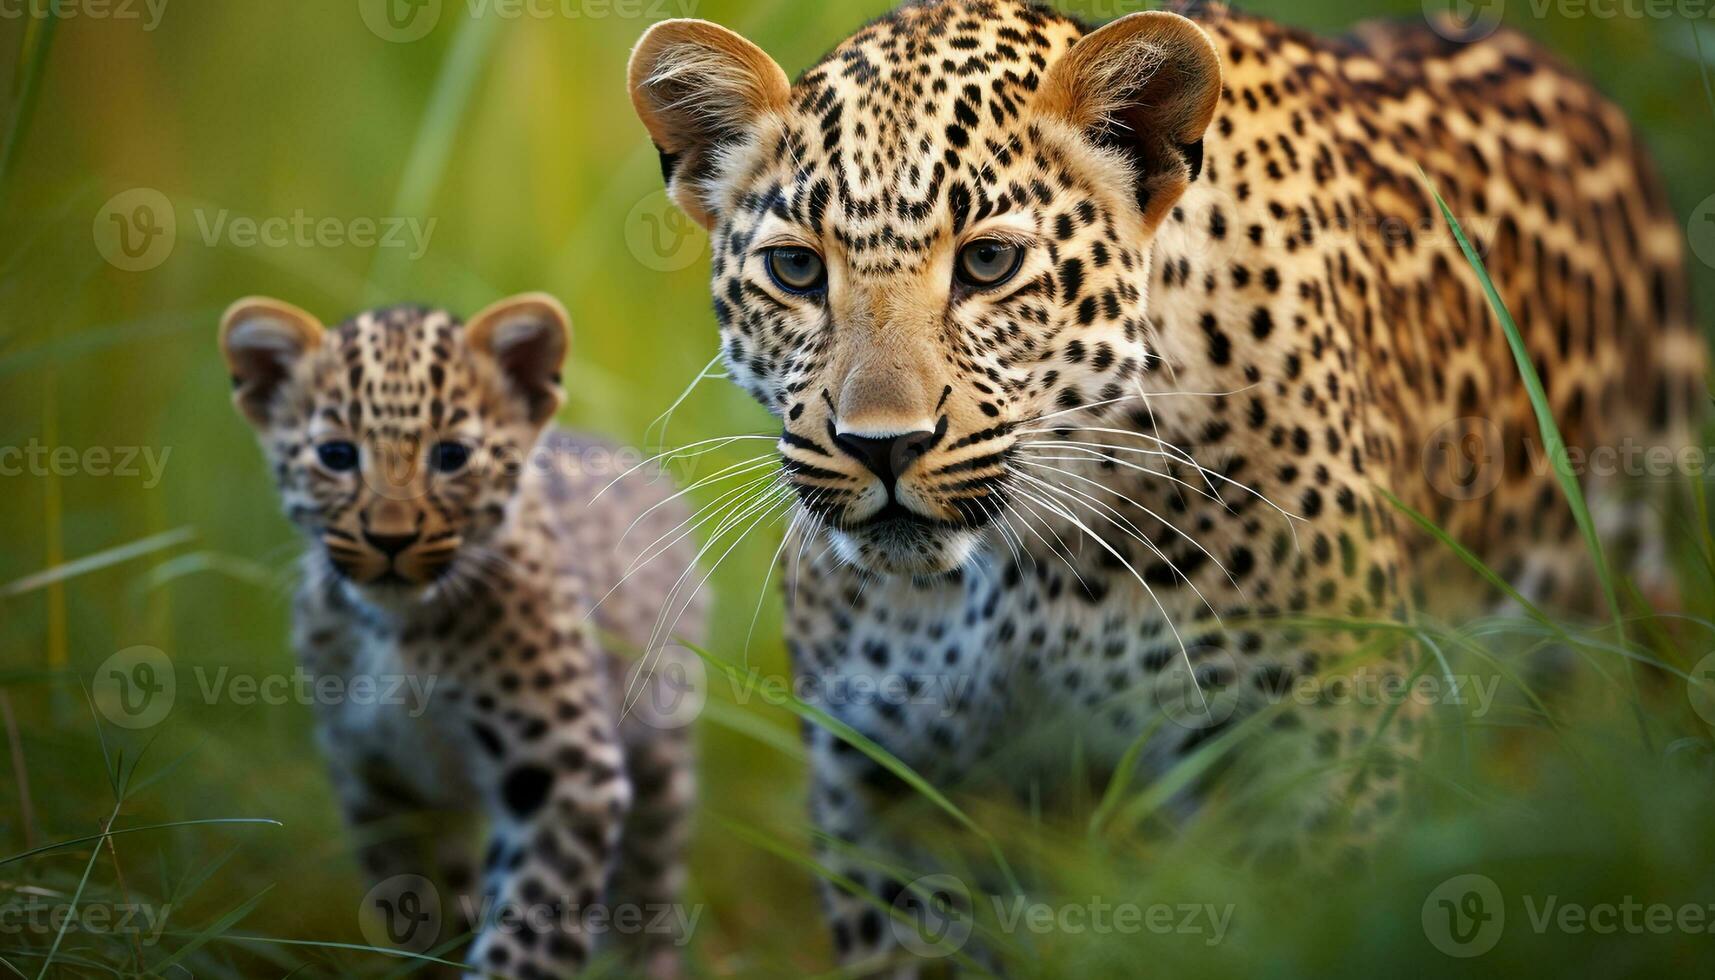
(506, 147)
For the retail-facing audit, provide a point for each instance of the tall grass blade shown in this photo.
(38, 39)
(73, 842)
(1553, 442)
(97, 562)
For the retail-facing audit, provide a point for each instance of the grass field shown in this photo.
(310, 151)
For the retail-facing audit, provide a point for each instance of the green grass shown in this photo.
(516, 138)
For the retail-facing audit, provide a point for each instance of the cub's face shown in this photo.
(932, 246)
(397, 438)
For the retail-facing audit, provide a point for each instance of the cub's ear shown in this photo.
(698, 86)
(527, 336)
(263, 339)
(1146, 85)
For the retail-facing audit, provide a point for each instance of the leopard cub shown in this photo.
(458, 541)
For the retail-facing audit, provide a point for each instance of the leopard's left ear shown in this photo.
(1146, 85)
(263, 340)
(700, 88)
(527, 336)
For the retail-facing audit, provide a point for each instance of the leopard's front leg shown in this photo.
(545, 750)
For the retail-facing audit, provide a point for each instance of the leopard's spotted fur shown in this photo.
(479, 581)
(1230, 257)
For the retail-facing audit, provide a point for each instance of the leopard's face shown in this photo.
(930, 248)
(397, 439)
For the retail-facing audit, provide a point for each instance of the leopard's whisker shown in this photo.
(1162, 520)
(1168, 448)
(1121, 558)
(765, 502)
(816, 528)
(731, 498)
(681, 453)
(1063, 552)
(731, 516)
(1289, 516)
(1106, 511)
(1037, 448)
(995, 519)
(767, 575)
(725, 473)
(665, 419)
(696, 519)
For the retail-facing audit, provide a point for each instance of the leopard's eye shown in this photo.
(449, 457)
(988, 262)
(797, 270)
(339, 455)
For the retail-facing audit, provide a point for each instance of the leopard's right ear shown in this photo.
(698, 87)
(262, 340)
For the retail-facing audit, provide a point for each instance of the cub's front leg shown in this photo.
(401, 786)
(541, 737)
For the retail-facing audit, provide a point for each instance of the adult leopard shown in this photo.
(1097, 351)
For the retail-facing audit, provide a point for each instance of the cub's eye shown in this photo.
(339, 456)
(449, 457)
(988, 262)
(796, 270)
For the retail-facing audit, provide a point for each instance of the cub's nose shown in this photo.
(390, 544)
(886, 456)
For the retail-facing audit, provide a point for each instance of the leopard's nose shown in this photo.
(391, 544)
(886, 456)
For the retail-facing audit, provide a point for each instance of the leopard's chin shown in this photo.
(907, 549)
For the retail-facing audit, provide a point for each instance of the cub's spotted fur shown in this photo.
(1096, 349)
(453, 541)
